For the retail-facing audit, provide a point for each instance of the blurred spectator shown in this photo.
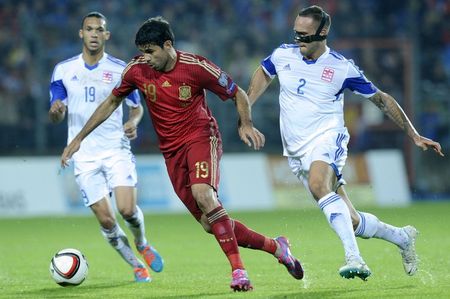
(234, 33)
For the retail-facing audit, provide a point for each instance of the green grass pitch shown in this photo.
(196, 268)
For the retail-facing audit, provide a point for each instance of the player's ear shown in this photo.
(107, 35)
(167, 44)
(80, 33)
(325, 31)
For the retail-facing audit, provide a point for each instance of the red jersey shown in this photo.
(176, 99)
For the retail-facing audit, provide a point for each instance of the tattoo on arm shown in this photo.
(391, 108)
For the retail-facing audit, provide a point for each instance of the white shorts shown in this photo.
(330, 147)
(98, 178)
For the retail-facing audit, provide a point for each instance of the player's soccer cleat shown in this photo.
(287, 259)
(240, 281)
(355, 267)
(151, 257)
(409, 256)
(141, 275)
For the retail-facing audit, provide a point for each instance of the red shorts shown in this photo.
(196, 163)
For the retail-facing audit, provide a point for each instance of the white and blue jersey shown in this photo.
(311, 94)
(82, 88)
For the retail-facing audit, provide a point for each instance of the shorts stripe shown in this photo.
(362, 225)
(213, 151)
(340, 150)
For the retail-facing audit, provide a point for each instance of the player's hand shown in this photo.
(130, 130)
(57, 111)
(424, 143)
(58, 107)
(72, 148)
(250, 135)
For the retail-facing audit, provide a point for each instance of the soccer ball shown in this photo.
(69, 267)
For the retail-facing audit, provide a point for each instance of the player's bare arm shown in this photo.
(134, 117)
(103, 111)
(391, 108)
(57, 112)
(259, 83)
(249, 134)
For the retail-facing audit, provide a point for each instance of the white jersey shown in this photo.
(82, 88)
(311, 93)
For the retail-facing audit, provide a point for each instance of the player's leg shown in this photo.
(116, 237)
(95, 193)
(121, 174)
(320, 171)
(194, 174)
(367, 226)
(321, 180)
(221, 227)
(134, 219)
(279, 247)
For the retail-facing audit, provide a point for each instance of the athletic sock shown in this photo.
(137, 227)
(117, 238)
(371, 227)
(248, 238)
(221, 228)
(338, 216)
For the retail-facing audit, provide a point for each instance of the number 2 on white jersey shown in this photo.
(302, 82)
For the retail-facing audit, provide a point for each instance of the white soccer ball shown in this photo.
(69, 267)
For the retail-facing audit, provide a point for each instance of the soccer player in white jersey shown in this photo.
(104, 162)
(312, 80)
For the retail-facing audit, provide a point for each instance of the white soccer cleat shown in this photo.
(355, 267)
(409, 256)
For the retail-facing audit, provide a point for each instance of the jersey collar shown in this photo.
(93, 67)
(321, 57)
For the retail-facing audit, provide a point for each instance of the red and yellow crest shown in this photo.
(184, 92)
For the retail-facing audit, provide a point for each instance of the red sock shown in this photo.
(248, 238)
(223, 231)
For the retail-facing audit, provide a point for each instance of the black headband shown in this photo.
(316, 37)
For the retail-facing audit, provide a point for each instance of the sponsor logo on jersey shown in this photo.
(166, 84)
(327, 74)
(107, 77)
(287, 67)
(74, 78)
(184, 92)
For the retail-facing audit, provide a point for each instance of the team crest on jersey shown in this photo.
(184, 92)
(107, 77)
(327, 74)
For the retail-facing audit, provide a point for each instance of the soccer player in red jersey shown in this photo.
(174, 84)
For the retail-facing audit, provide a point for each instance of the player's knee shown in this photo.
(318, 188)
(107, 222)
(126, 212)
(204, 199)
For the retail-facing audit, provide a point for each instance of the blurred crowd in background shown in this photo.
(402, 46)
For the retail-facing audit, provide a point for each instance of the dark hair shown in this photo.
(93, 14)
(154, 31)
(317, 13)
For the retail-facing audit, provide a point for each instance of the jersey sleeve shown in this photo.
(57, 89)
(358, 83)
(217, 81)
(133, 99)
(125, 86)
(268, 65)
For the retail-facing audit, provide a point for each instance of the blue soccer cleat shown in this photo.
(141, 274)
(151, 257)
